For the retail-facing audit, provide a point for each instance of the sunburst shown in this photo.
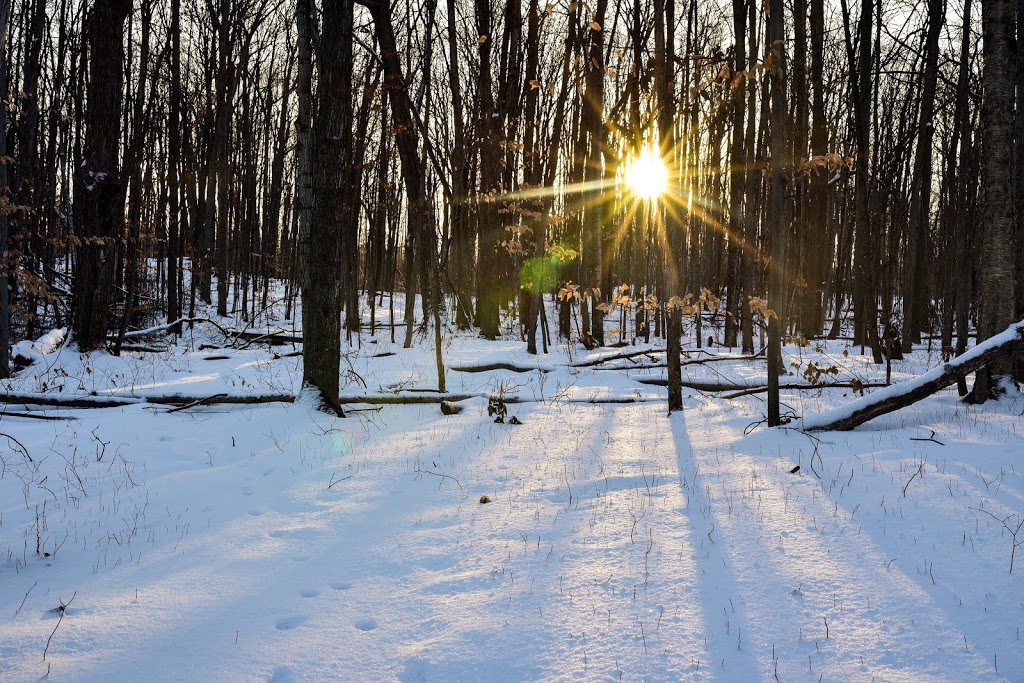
(647, 175)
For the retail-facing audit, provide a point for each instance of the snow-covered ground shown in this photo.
(272, 542)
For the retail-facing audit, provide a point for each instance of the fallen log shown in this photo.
(274, 338)
(903, 394)
(68, 401)
(88, 401)
(183, 401)
(499, 366)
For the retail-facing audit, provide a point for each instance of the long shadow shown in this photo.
(720, 595)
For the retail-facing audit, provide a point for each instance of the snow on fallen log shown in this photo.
(26, 353)
(115, 401)
(190, 401)
(67, 400)
(166, 326)
(903, 394)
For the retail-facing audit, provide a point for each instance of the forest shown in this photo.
(338, 335)
(477, 153)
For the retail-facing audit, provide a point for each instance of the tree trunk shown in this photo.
(303, 127)
(332, 203)
(776, 203)
(734, 255)
(996, 276)
(99, 180)
(920, 200)
(5, 312)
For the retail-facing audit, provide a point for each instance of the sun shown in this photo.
(646, 175)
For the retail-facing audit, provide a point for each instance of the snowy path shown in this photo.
(619, 544)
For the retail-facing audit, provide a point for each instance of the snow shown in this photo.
(274, 542)
(33, 351)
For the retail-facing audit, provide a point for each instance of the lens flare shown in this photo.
(647, 176)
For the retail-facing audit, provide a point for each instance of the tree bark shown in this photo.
(333, 201)
(920, 200)
(996, 276)
(5, 311)
(99, 179)
(780, 167)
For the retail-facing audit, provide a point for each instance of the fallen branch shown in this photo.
(167, 326)
(617, 356)
(198, 402)
(34, 416)
(805, 387)
(903, 394)
(699, 386)
(692, 361)
(930, 438)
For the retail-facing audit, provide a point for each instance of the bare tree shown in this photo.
(100, 191)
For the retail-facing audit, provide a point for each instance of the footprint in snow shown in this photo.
(246, 491)
(366, 624)
(255, 513)
(341, 586)
(281, 674)
(310, 593)
(288, 623)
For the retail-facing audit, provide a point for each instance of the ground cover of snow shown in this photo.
(272, 542)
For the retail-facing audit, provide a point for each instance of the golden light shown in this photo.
(646, 175)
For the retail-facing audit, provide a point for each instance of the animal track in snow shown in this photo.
(281, 674)
(288, 623)
(366, 624)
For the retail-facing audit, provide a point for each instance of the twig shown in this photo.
(23, 600)
(335, 481)
(930, 438)
(920, 470)
(20, 445)
(63, 610)
(1014, 543)
(440, 474)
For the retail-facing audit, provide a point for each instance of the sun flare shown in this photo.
(646, 175)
